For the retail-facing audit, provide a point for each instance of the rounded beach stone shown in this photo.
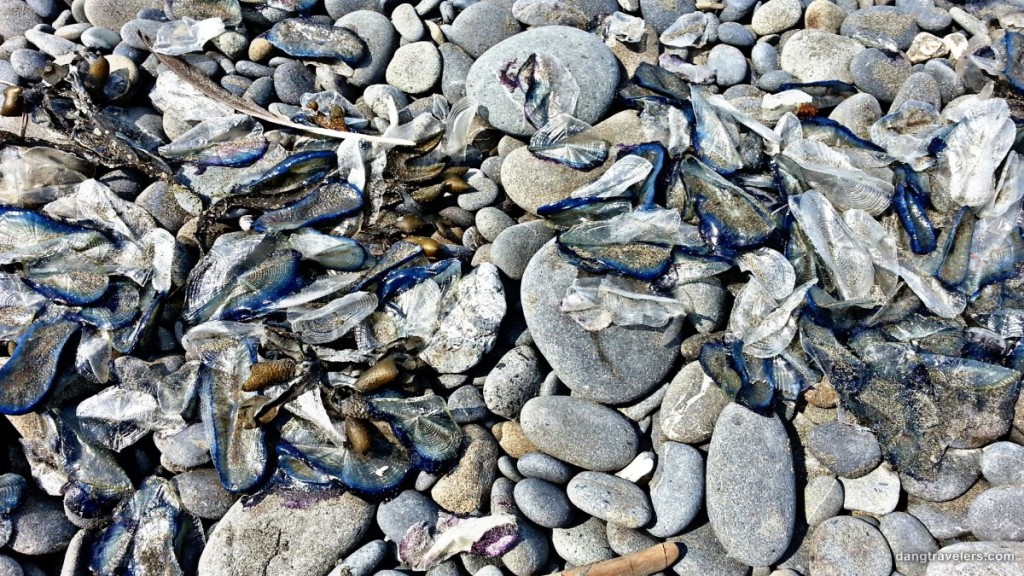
(589, 61)
(846, 546)
(580, 432)
(39, 526)
(514, 380)
(751, 486)
(677, 488)
(515, 245)
(880, 73)
(544, 467)
(881, 26)
(907, 537)
(415, 68)
(775, 16)
(691, 406)
(823, 499)
(1003, 463)
(729, 63)
(610, 498)
(998, 514)
(286, 533)
(845, 450)
(815, 55)
(543, 502)
(381, 42)
(584, 543)
(481, 26)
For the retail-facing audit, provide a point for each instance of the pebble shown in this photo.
(203, 494)
(933, 19)
(736, 34)
(616, 365)
(976, 559)
(588, 60)
(415, 68)
(291, 80)
(72, 31)
(261, 91)
(957, 472)
(491, 221)
(463, 490)
(677, 488)
(233, 44)
(580, 432)
(486, 190)
(925, 47)
(407, 22)
(29, 64)
(691, 406)
(131, 29)
(17, 18)
(877, 492)
(512, 439)
(10, 567)
(824, 15)
(858, 113)
(99, 37)
(544, 467)
(998, 514)
(880, 73)
(946, 520)
(907, 536)
(764, 58)
(661, 14)
(395, 517)
(40, 527)
(703, 555)
(584, 543)
(531, 554)
(363, 560)
(381, 40)
(846, 546)
(816, 55)
(775, 16)
(729, 63)
(751, 508)
(467, 404)
(920, 86)
(881, 27)
(481, 26)
(610, 498)
(823, 499)
(544, 503)
(260, 49)
(625, 541)
(951, 86)
(339, 8)
(507, 468)
(286, 533)
(253, 70)
(844, 449)
(1003, 463)
(456, 68)
(235, 84)
(773, 81)
(515, 379)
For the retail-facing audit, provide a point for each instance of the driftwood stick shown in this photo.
(642, 563)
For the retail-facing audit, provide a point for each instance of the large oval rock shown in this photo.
(286, 534)
(677, 488)
(614, 365)
(591, 63)
(610, 498)
(846, 546)
(751, 487)
(580, 432)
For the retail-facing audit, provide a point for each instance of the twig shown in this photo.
(200, 81)
(642, 563)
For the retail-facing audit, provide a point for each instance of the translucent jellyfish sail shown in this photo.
(974, 147)
(569, 141)
(542, 85)
(851, 267)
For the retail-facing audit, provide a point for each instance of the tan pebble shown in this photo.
(514, 442)
(259, 49)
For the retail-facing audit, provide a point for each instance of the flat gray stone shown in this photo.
(584, 543)
(515, 245)
(677, 488)
(589, 61)
(481, 26)
(1003, 463)
(40, 527)
(846, 546)
(814, 55)
(751, 487)
(415, 68)
(691, 406)
(580, 432)
(844, 449)
(881, 26)
(907, 537)
(823, 499)
(998, 514)
(543, 502)
(615, 365)
(295, 534)
(858, 113)
(610, 498)
(515, 379)
(957, 472)
(544, 467)
(880, 73)
(381, 42)
(395, 517)
(702, 554)
(775, 16)
(625, 541)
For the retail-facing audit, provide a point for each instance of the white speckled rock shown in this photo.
(813, 55)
